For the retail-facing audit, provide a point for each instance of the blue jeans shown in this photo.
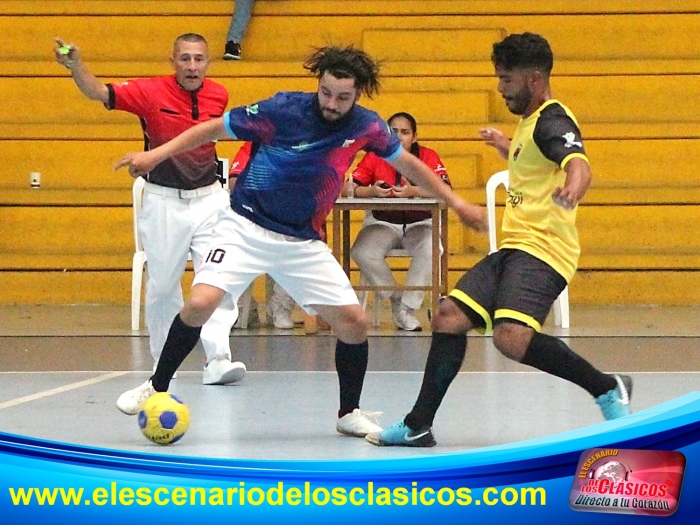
(239, 21)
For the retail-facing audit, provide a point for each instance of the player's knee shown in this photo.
(450, 319)
(511, 340)
(351, 325)
(198, 304)
(357, 320)
(199, 307)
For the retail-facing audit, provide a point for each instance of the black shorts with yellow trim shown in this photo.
(508, 285)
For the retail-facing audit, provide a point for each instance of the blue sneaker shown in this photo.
(616, 402)
(399, 435)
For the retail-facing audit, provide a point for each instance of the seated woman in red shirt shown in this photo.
(383, 231)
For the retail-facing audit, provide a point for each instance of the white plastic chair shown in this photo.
(561, 305)
(139, 260)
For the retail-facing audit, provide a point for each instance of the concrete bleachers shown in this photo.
(635, 101)
(66, 164)
(330, 7)
(290, 37)
(109, 38)
(617, 164)
(629, 75)
(639, 106)
(75, 164)
(69, 229)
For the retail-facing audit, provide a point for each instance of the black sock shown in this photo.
(180, 342)
(551, 355)
(445, 358)
(351, 364)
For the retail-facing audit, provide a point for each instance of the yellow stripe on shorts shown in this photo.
(518, 316)
(464, 298)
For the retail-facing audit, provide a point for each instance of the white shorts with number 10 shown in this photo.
(240, 250)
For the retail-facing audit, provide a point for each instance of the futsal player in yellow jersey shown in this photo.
(511, 291)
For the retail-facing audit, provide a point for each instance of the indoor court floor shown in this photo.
(63, 367)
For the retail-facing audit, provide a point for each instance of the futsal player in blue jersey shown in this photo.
(303, 144)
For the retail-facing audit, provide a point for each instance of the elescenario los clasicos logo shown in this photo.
(642, 482)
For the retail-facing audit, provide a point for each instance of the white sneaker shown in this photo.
(406, 320)
(221, 371)
(155, 365)
(404, 317)
(130, 401)
(279, 309)
(358, 423)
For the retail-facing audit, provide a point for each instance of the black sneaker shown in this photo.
(232, 51)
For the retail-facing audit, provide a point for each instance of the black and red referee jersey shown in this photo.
(165, 110)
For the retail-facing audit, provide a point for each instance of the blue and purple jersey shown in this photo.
(299, 160)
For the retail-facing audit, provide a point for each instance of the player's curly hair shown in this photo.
(523, 51)
(346, 62)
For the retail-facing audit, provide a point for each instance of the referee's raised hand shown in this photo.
(66, 54)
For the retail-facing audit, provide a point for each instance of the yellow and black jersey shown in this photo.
(542, 145)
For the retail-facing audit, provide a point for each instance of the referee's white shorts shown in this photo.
(240, 250)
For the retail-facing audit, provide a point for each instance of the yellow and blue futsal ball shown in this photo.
(164, 418)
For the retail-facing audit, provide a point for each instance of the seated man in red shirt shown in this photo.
(383, 231)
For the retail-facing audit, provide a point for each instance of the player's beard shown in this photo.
(334, 115)
(519, 102)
